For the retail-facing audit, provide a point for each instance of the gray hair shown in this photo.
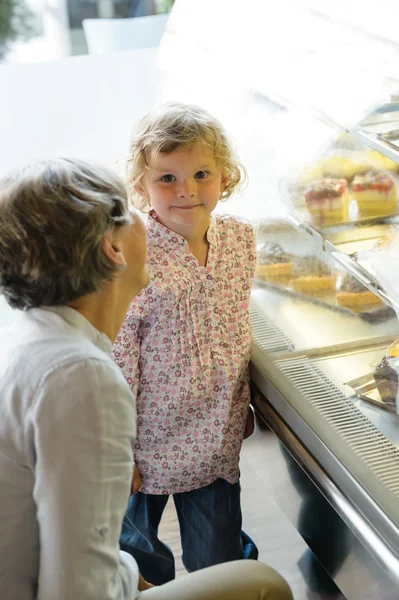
(53, 217)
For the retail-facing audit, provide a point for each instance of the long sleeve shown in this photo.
(82, 427)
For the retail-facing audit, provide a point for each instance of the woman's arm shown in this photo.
(84, 425)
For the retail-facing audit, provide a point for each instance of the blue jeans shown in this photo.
(210, 529)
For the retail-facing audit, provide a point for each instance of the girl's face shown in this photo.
(183, 187)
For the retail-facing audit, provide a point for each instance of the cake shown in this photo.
(311, 275)
(375, 193)
(393, 349)
(273, 262)
(378, 161)
(327, 200)
(353, 293)
(386, 379)
(341, 167)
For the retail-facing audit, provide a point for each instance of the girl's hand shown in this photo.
(136, 481)
(250, 424)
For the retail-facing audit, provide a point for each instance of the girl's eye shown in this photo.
(168, 178)
(201, 175)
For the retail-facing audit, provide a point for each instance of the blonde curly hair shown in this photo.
(171, 126)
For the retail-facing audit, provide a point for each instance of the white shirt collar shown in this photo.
(79, 322)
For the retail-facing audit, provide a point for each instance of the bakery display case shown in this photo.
(310, 93)
(325, 360)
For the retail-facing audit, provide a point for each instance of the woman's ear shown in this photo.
(113, 248)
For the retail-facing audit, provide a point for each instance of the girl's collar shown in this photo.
(157, 229)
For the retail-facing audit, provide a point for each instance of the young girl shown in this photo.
(185, 344)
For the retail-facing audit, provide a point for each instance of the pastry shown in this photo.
(386, 379)
(312, 275)
(327, 200)
(375, 193)
(378, 161)
(273, 262)
(393, 349)
(341, 167)
(353, 293)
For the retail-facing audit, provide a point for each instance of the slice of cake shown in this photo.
(375, 192)
(386, 379)
(327, 200)
(341, 167)
(273, 262)
(353, 293)
(379, 162)
(311, 275)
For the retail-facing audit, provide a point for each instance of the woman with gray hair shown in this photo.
(72, 257)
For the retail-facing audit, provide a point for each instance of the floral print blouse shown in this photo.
(184, 349)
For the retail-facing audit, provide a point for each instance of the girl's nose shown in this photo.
(186, 189)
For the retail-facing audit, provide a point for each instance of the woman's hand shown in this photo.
(136, 481)
(143, 584)
(250, 424)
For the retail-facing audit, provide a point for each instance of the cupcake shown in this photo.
(327, 200)
(311, 275)
(375, 192)
(353, 293)
(273, 262)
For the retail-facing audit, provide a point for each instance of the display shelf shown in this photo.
(350, 241)
(359, 272)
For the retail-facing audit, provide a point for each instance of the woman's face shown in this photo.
(134, 245)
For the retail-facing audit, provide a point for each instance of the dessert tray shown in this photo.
(365, 388)
(345, 242)
(282, 245)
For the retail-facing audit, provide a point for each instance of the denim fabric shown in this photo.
(210, 528)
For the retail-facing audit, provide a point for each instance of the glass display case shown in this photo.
(325, 329)
(325, 325)
(325, 352)
(310, 94)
